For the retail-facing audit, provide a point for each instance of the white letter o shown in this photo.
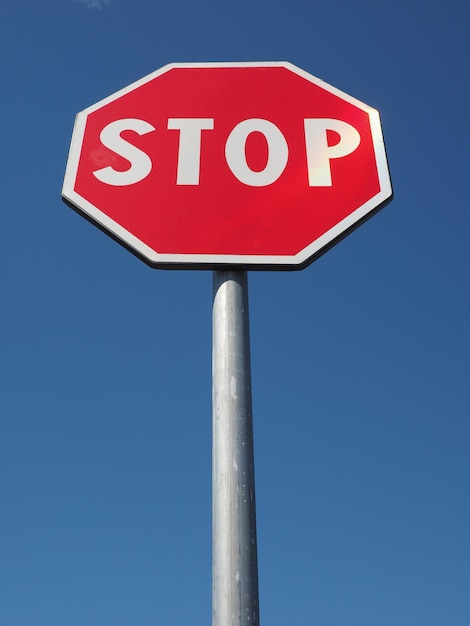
(278, 152)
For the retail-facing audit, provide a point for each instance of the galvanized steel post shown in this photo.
(234, 548)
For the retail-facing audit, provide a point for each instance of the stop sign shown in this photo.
(257, 165)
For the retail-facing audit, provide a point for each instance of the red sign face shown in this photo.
(237, 164)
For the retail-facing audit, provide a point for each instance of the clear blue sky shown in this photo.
(360, 362)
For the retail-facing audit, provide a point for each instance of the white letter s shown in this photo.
(141, 165)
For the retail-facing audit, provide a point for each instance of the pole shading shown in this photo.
(234, 547)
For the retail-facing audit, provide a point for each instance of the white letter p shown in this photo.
(319, 153)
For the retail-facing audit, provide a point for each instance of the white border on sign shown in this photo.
(211, 261)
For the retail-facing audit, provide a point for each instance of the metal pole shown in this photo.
(234, 550)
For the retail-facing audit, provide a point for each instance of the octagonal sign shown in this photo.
(256, 165)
